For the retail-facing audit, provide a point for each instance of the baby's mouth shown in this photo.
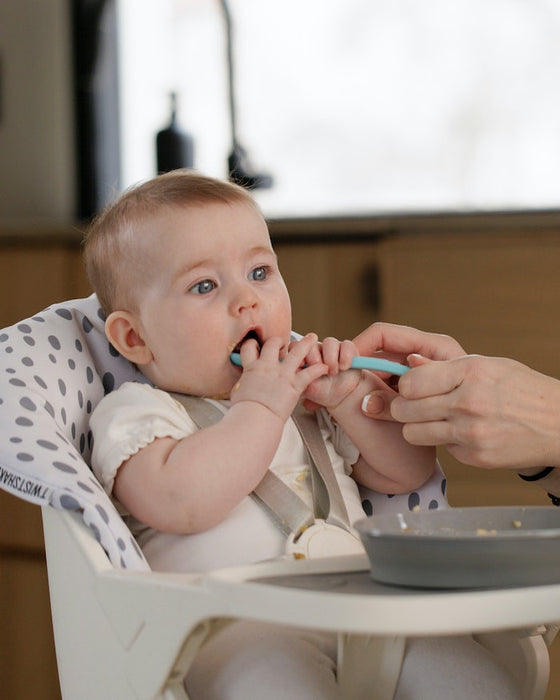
(252, 334)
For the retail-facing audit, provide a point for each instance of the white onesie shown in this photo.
(134, 415)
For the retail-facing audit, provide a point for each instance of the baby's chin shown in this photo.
(222, 394)
(219, 396)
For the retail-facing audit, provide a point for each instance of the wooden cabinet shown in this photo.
(329, 285)
(35, 270)
(39, 269)
(27, 657)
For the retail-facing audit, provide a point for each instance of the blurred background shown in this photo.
(360, 107)
(406, 154)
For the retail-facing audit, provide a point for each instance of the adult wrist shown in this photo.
(536, 476)
(547, 478)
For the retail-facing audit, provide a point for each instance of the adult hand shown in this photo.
(398, 342)
(488, 412)
(405, 345)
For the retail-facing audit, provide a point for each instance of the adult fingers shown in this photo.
(430, 408)
(432, 379)
(377, 404)
(416, 360)
(428, 433)
(404, 340)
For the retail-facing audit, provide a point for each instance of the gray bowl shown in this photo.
(465, 547)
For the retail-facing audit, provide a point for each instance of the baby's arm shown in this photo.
(387, 463)
(190, 485)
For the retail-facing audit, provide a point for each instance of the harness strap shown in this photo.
(291, 512)
(326, 494)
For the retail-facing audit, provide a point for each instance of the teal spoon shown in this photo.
(375, 363)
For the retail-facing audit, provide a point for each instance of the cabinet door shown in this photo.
(332, 286)
(34, 276)
(497, 294)
(27, 657)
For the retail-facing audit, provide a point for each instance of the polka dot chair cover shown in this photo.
(54, 368)
(432, 496)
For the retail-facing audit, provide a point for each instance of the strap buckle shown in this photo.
(321, 539)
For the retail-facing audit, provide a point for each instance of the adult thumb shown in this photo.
(377, 404)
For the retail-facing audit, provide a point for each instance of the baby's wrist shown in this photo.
(347, 402)
(269, 409)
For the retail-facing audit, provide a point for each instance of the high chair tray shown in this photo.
(465, 547)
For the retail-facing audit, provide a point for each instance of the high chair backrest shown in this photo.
(55, 367)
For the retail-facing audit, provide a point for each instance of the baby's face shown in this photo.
(215, 281)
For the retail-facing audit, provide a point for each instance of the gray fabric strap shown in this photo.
(334, 510)
(293, 514)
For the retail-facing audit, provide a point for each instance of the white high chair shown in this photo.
(123, 631)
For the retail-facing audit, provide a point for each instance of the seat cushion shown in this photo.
(54, 369)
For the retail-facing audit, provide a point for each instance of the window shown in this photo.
(355, 107)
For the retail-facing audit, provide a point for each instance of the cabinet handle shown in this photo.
(370, 283)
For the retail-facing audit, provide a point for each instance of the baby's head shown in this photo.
(113, 246)
(185, 271)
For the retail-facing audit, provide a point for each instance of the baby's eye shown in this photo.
(259, 273)
(203, 287)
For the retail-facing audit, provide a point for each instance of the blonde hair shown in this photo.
(109, 249)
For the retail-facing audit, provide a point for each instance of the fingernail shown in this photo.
(372, 403)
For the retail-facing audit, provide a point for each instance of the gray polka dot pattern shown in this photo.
(432, 496)
(54, 368)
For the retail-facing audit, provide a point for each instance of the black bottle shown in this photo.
(174, 147)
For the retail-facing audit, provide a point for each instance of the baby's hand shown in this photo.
(329, 391)
(274, 381)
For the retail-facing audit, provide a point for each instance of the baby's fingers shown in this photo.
(309, 374)
(299, 350)
(348, 352)
(330, 349)
(314, 355)
(338, 355)
(271, 349)
(249, 352)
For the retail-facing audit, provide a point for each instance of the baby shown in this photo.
(185, 271)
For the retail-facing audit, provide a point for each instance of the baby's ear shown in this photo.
(122, 330)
